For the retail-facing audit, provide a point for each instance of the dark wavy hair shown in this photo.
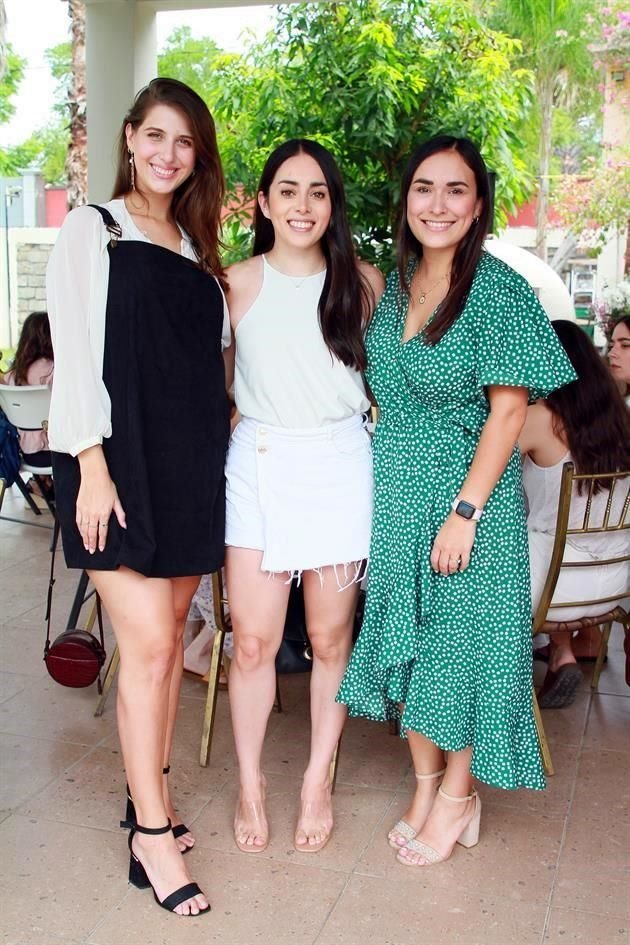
(197, 203)
(35, 342)
(346, 299)
(589, 413)
(468, 252)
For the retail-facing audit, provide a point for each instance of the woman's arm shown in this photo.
(80, 412)
(508, 408)
(76, 285)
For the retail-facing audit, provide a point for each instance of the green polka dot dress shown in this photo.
(457, 649)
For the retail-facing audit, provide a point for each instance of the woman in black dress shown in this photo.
(139, 416)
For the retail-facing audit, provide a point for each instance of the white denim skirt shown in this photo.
(303, 497)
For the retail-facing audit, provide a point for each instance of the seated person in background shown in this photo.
(619, 356)
(199, 634)
(585, 422)
(33, 364)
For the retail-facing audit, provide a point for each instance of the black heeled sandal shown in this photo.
(138, 875)
(130, 816)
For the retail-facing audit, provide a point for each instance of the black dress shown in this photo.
(163, 370)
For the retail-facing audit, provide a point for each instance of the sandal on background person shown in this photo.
(560, 688)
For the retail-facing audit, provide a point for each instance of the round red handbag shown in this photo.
(75, 657)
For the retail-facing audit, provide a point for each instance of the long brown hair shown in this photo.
(468, 252)
(589, 414)
(198, 201)
(347, 299)
(35, 342)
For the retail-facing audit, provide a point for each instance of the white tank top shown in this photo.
(285, 375)
(542, 490)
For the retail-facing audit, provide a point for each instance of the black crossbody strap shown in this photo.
(110, 223)
(51, 584)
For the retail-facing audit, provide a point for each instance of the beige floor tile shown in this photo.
(90, 794)
(369, 755)
(372, 757)
(566, 726)
(577, 883)
(516, 857)
(602, 787)
(555, 799)
(11, 684)
(19, 544)
(30, 765)
(357, 813)
(375, 911)
(22, 652)
(45, 709)
(600, 843)
(62, 880)
(612, 680)
(253, 900)
(608, 723)
(567, 927)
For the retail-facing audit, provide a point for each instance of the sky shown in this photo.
(35, 25)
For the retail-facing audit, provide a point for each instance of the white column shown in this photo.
(121, 57)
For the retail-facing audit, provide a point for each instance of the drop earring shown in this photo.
(475, 220)
(132, 168)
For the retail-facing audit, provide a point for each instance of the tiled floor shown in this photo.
(551, 868)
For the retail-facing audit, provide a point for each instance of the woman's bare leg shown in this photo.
(427, 759)
(258, 606)
(183, 591)
(143, 618)
(329, 619)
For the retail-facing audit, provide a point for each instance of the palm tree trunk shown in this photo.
(545, 97)
(76, 161)
(3, 38)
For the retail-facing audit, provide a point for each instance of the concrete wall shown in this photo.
(24, 278)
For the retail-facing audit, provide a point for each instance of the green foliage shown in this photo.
(47, 147)
(190, 60)
(369, 79)
(597, 206)
(10, 83)
(237, 238)
(59, 59)
(556, 36)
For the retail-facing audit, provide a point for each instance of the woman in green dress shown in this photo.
(456, 348)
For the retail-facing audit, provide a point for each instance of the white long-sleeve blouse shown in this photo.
(76, 284)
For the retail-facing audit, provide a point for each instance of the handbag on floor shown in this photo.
(75, 657)
(296, 654)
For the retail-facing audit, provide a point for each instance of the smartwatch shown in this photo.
(466, 510)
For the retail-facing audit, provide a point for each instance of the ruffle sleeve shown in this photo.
(516, 345)
(76, 285)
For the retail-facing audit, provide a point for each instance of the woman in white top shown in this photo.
(138, 318)
(585, 422)
(33, 364)
(299, 470)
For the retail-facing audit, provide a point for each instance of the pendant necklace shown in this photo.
(423, 293)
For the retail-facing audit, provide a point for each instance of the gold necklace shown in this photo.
(423, 293)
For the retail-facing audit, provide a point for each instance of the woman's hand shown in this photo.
(453, 544)
(96, 501)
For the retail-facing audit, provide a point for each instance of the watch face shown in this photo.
(465, 509)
